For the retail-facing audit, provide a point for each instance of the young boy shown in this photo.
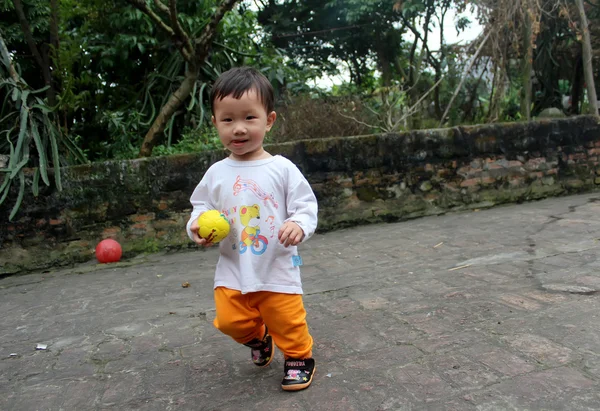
(271, 208)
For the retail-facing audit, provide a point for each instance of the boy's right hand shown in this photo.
(197, 239)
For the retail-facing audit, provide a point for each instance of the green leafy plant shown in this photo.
(30, 125)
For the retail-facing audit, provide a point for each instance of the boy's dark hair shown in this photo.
(237, 81)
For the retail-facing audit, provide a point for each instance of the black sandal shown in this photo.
(298, 374)
(261, 350)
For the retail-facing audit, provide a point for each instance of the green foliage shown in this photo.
(124, 128)
(114, 69)
(37, 13)
(31, 125)
(510, 106)
(192, 141)
(390, 107)
(317, 34)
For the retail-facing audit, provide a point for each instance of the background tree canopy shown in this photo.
(92, 80)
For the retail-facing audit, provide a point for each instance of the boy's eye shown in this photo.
(227, 120)
(250, 117)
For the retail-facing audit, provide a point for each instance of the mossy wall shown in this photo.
(144, 203)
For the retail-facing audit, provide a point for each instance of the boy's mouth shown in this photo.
(237, 143)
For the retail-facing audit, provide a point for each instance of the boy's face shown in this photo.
(242, 124)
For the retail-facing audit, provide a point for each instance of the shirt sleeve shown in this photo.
(201, 202)
(302, 207)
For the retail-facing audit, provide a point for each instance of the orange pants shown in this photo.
(244, 316)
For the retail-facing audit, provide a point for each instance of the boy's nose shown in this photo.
(239, 129)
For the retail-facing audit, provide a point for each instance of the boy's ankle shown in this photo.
(261, 350)
(298, 373)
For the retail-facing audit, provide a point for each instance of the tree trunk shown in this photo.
(473, 95)
(54, 18)
(9, 64)
(54, 45)
(416, 118)
(166, 112)
(500, 79)
(588, 69)
(385, 67)
(42, 62)
(526, 67)
(194, 51)
(436, 94)
(438, 67)
(493, 90)
(577, 85)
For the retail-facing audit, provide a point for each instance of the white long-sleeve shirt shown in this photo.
(257, 197)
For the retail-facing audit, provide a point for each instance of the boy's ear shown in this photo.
(212, 118)
(271, 120)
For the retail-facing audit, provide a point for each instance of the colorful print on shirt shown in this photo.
(251, 237)
(243, 185)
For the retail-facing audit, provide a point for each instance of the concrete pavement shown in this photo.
(491, 310)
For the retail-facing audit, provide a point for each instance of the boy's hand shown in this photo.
(197, 239)
(290, 234)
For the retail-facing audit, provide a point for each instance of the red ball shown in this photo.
(108, 251)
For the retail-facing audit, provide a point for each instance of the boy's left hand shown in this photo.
(290, 234)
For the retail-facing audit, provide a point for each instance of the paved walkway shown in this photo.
(488, 310)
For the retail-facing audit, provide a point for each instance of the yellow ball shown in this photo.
(213, 226)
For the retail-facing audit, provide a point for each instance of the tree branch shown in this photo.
(314, 33)
(179, 40)
(412, 110)
(27, 32)
(143, 7)
(42, 61)
(239, 53)
(430, 10)
(183, 37)
(161, 6)
(462, 80)
(415, 66)
(358, 121)
(205, 39)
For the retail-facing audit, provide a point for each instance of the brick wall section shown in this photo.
(144, 203)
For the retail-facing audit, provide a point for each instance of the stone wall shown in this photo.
(144, 203)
